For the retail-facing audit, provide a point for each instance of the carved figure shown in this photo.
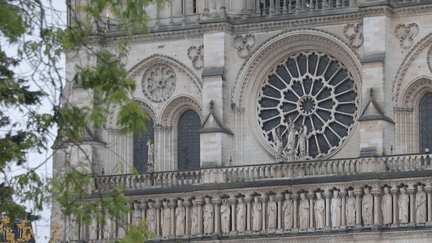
(166, 220)
(288, 211)
(208, 217)
(180, 214)
(151, 217)
(272, 213)
(256, 208)
(350, 209)
(403, 206)
(304, 212)
(319, 211)
(367, 207)
(151, 152)
(93, 230)
(72, 228)
(225, 216)
(194, 228)
(136, 214)
(420, 205)
(302, 141)
(386, 207)
(121, 231)
(241, 215)
(277, 137)
(289, 148)
(336, 204)
(107, 229)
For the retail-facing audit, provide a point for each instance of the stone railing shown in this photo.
(279, 171)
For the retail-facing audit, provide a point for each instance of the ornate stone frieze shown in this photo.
(159, 82)
(406, 34)
(354, 34)
(244, 44)
(196, 55)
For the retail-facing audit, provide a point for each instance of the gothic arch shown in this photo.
(174, 108)
(114, 110)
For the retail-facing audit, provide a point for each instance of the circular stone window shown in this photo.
(159, 82)
(307, 106)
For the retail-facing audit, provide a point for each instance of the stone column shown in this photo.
(184, 12)
(248, 200)
(327, 196)
(198, 203)
(232, 201)
(172, 205)
(143, 207)
(158, 212)
(377, 207)
(428, 190)
(279, 198)
(257, 7)
(394, 192)
(343, 194)
(264, 199)
(358, 194)
(217, 202)
(411, 192)
(187, 204)
(295, 200)
(311, 197)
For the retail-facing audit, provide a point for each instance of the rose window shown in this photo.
(159, 83)
(312, 90)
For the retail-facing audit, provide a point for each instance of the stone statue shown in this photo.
(93, 229)
(121, 231)
(72, 228)
(302, 141)
(386, 207)
(256, 213)
(277, 138)
(241, 215)
(304, 212)
(151, 217)
(272, 213)
(319, 211)
(288, 212)
(403, 206)
(367, 207)
(180, 214)
(336, 204)
(151, 152)
(166, 220)
(225, 217)
(107, 228)
(290, 146)
(350, 209)
(420, 206)
(208, 216)
(136, 214)
(194, 227)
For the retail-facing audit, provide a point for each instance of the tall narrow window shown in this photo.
(194, 6)
(140, 149)
(426, 123)
(189, 141)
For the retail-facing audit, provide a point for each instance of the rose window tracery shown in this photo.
(159, 83)
(309, 91)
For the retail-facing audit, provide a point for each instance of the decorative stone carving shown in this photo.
(166, 220)
(241, 215)
(367, 207)
(208, 216)
(277, 136)
(386, 207)
(123, 59)
(288, 212)
(107, 228)
(151, 153)
(406, 34)
(93, 229)
(196, 55)
(225, 217)
(429, 58)
(307, 92)
(350, 209)
(244, 44)
(180, 214)
(159, 82)
(336, 204)
(151, 217)
(194, 227)
(420, 205)
(319, 211)
(272, 213)
(136, 214)
(354, 34)
(256, 213)
(403, 206)
(304, 212)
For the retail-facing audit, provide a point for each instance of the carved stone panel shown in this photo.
(354, 34)
(243, 44)
(196, 55)
(159, 82)
(406, 34)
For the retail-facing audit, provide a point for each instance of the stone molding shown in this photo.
(415, 91)
(114, 109)
(429, 58)
(176, 106)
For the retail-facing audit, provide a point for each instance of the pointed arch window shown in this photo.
(426, 123)
(189, 141)
(140, 149)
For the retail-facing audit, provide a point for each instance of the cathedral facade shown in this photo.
(274, 120)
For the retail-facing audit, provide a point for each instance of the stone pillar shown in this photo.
(343, 194)
(187, 204)
(428, 190)
(257, 7)
(377, 207)
(172, 205)
(279, 198)
(327, 196)
(198, 203)
(394, 192)
(217, 202)
(411, 192)
(358, 194)
(264, 199)
(248, 200)
(232, 201)
(311, 197)
(295, 200)
(143, 207)
(158, 213)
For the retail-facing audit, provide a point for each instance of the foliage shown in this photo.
(137, 233)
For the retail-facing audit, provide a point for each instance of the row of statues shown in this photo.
(304, 211)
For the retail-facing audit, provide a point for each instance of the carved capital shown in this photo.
(278, 198)
(217, 201)
(263, 198)
(143, 206)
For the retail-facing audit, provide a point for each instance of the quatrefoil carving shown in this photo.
(354, 33)
(196, 54)
(244, 45)
(406, 34)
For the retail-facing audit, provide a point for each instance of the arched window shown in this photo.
(426, 123)
(140, 149)
(189, 141)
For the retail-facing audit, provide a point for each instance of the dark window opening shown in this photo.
(426, 123)
(194, 6)
(140, 149)
(189, 141)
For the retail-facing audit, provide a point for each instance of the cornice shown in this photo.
(412, 10)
